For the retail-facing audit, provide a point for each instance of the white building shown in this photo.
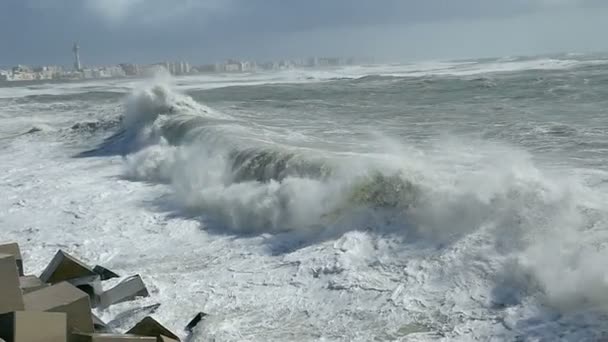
(184, 68)
(154, 69)
(88, 73)
(47, 72)
(114, 71)
(4, 75)
(232, 67)
(246, 66)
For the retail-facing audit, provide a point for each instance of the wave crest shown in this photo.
(521, 213)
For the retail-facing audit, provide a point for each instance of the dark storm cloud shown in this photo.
(37, 31)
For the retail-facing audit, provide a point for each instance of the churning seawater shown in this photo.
(456, 200)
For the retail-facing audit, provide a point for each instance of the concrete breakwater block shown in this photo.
(32, 326)
(132, 315)
(65, 267)
(83, 337)
(30, 283)
(11, 298)
(56, 307)
(100, 326)
(195, 321)
(126, 290)
(13, 249)
(105, 273)
(150, 327)
(63, 297)
(90, 285)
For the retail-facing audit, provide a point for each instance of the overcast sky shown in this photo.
(114, 31)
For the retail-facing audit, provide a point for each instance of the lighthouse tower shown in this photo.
(77, 65)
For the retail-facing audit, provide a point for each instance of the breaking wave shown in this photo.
(550, 227)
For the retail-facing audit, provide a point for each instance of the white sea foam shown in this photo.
(537, 218)
(458, 239)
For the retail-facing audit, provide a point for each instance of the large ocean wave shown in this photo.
(547, 231)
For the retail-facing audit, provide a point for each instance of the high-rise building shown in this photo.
(77, 65)
(130, 69)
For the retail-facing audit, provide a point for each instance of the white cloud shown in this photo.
(116, 12)
(113, 10)
(555, 3)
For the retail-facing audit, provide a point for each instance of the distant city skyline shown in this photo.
(79, 71)
(122, 31)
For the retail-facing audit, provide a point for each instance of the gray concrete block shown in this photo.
(30, 283)
(11, 298)
(13, 249)
(91, 285)
(132, 315)
(82, 337)
(162, 338)
(195, 321)
(100, 326)
(105, 273)
(126, 290)
(63, 297)
(32, 326)
(150, 327)
(64, 267)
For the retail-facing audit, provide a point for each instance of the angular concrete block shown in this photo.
(63, 297)
(91, 285)
(105, 273)
(30, 283)
(31, 326)
(11, 298)
(150, 327)
(132, 315)
(64, 267)
(168, 339)
(162, 338)
(13, 249)
(81, 337)
(100, 326)
(126, 290)
(195, 321)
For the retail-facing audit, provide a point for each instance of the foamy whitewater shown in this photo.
(440, 201)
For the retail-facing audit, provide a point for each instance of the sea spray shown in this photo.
(482, 217)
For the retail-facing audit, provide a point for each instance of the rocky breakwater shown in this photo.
(56, 306)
